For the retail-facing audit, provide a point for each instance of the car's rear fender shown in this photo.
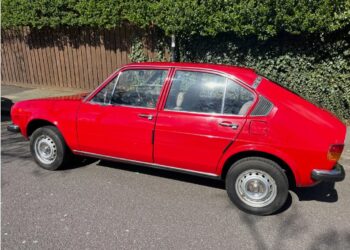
(241, 149)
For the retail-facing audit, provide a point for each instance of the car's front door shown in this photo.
(202, 115)
(119, 120)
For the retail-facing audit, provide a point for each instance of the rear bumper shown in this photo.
(13, 128)
(336, 174)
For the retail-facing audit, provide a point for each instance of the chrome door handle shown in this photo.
(228, 124)
(149, 117)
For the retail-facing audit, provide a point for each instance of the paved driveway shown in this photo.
(103, 205)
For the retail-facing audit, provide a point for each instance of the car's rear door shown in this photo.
(119, 120)
(201, 116)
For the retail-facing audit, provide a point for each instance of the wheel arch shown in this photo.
(66, 129)
(37, 123)
(291, 175)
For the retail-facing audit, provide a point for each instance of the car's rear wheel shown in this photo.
(257, 185)
(48, 148)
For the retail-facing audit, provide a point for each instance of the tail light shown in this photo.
(335, 151)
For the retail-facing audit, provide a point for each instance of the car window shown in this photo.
(196, 92)
(139, 88)
(105, 94)
(207, 93)
(238, 99)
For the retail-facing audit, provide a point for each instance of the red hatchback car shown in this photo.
(213, 120)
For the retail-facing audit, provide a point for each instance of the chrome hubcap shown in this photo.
(45, 149)
(256, 188)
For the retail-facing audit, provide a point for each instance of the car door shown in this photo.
(119, 120)
(202, 115)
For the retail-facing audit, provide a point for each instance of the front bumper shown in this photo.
(336, 174)
(13, 128)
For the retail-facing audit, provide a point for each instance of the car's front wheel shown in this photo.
(48, 148)
(257, 185)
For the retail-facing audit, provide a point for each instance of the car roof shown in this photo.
(247, 75)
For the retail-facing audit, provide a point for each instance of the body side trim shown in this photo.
(147, 164)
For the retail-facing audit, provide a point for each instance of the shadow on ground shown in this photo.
(13, 145)
(324, 192)
(165, 174)
(79, 162)
(220, 184)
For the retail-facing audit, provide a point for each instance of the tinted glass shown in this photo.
(139, 88)
(196, 92)
(237, 99)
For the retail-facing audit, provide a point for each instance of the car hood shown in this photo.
(48, 108)
(49, 102)
(77, 97)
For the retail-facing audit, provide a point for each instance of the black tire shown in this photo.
(241, 169)
(62, 153)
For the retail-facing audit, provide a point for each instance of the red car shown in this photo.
(213, 120)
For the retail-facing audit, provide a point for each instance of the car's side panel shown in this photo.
(192, 141)
(249, 141)
(116, 131)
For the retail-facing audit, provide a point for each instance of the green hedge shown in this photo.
(61, 13)
(264, 19)
(318, 68)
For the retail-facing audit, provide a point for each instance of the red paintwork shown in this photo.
(296, 131)
(115, 131)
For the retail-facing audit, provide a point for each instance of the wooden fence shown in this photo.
(66, 58)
